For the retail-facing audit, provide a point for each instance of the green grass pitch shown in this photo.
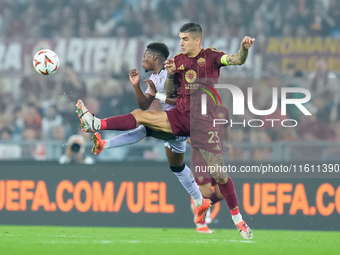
(47, 240)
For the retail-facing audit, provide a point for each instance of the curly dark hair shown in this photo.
(159, 48)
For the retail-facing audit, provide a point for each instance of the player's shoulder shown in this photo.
(213, 50)
(163, 73)
(179, 55)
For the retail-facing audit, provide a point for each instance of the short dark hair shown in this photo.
(159, 48)
(192, 27)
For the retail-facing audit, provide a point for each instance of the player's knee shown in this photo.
(222, 179)
(136, 112)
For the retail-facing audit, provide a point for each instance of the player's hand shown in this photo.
(170, 66)
(134, 77)
(247, 42)
(151, 86)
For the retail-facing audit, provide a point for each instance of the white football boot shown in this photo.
(244, 230)
(89, 122)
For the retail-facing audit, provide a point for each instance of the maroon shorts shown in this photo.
(202, 133)
(205, 136)
(179, 121)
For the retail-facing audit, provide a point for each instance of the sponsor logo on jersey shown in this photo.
(190, 76)
(181, 67)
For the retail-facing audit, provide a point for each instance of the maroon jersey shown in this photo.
(197, 76)
(191, 72)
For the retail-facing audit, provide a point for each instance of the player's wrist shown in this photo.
(161, 97)
(136, 86)
(171, 75)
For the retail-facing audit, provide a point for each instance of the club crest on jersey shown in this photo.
(190, 76)
(201, 62)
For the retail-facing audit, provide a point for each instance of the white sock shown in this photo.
(237, 218)
(131, 137)
(190, 185)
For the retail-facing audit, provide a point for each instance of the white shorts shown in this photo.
(178, 144)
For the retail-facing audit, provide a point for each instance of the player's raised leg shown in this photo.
(128, 138)
(156, 120)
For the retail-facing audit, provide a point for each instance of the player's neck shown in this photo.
(195, 53)
(157, 69)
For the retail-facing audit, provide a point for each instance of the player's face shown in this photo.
(189, 44)
(147, 61)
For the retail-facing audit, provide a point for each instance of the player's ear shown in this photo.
(154, 57)
(198, 40)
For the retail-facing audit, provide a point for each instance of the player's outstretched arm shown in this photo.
(240, 57)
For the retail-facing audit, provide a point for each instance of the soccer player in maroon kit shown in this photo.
(207, 184)
(193, 66)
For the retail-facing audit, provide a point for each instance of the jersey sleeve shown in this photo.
(217, 56)
(158, 80)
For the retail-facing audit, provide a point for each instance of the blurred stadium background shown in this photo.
(99, 41)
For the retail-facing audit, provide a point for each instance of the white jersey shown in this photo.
(178, 144)
(159, 80)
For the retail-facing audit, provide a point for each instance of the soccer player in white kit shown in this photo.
(153, 60)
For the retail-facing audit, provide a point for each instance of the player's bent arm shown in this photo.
(240, 57)
(170, 88)
(171, 100)
(235, 59)
(144, 101)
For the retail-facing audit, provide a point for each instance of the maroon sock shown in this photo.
(214, 198)
(121, 122)
(229, 193)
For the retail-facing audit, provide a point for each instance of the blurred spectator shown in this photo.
(51, 119)
(166, 8)
(8, 149)
(312, 129)
(109, 103)
(55, 146)
(321, 22)
(72, 85)
(324, 82)
(31, 122)
(5, 134)
(104, 24)
(75, 151)
(334, 13)
(133, 28)
(178, 20)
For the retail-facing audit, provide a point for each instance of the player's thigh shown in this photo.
(175, 159)
(157, 120)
